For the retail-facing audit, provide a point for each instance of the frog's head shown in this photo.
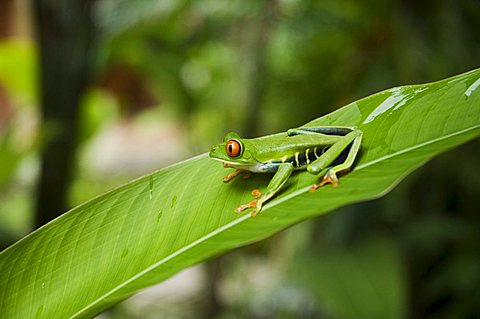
(233, 151)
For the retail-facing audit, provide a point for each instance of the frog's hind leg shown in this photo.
(355, 139)
(257, 194)
(326, 130)
(281, 176)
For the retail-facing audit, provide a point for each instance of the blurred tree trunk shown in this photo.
(65, 35)
(6, 18)
(213, 304)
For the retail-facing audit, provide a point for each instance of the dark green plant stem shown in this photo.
(65, 38)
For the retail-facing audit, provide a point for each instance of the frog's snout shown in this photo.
(213, 150)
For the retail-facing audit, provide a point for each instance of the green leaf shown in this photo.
(373, 269)
(145, 231)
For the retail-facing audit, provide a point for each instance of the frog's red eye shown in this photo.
(233, 148)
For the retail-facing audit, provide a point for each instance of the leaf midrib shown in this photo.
(269, 205)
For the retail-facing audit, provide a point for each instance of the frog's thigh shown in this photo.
(279, 179)
(352, 154)
(281, 176)
(332, 153)
(329, 130)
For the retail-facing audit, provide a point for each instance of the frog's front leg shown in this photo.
(281, 176)
(229, 177)
(237, 172)
(355, 139)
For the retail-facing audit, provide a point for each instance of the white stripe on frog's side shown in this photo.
(254, 168)
(257, 168)
(267, 167)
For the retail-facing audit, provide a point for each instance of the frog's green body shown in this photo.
(310, 148)
(264, 154)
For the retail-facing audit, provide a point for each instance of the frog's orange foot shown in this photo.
(241, 208)
(229, 177)
(253, 204)
(329, 178)
(256, 192)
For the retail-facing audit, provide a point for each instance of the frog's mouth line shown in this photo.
(256, 168)
(228, 162)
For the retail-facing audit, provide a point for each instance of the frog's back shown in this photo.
(300, 150)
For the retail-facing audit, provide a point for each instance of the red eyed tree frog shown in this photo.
(315, 149)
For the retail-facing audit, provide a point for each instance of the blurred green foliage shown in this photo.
(257, 67)
(19, 70)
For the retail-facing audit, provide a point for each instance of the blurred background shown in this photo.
(96, 93)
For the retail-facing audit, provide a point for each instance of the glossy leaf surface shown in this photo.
(145, 231)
